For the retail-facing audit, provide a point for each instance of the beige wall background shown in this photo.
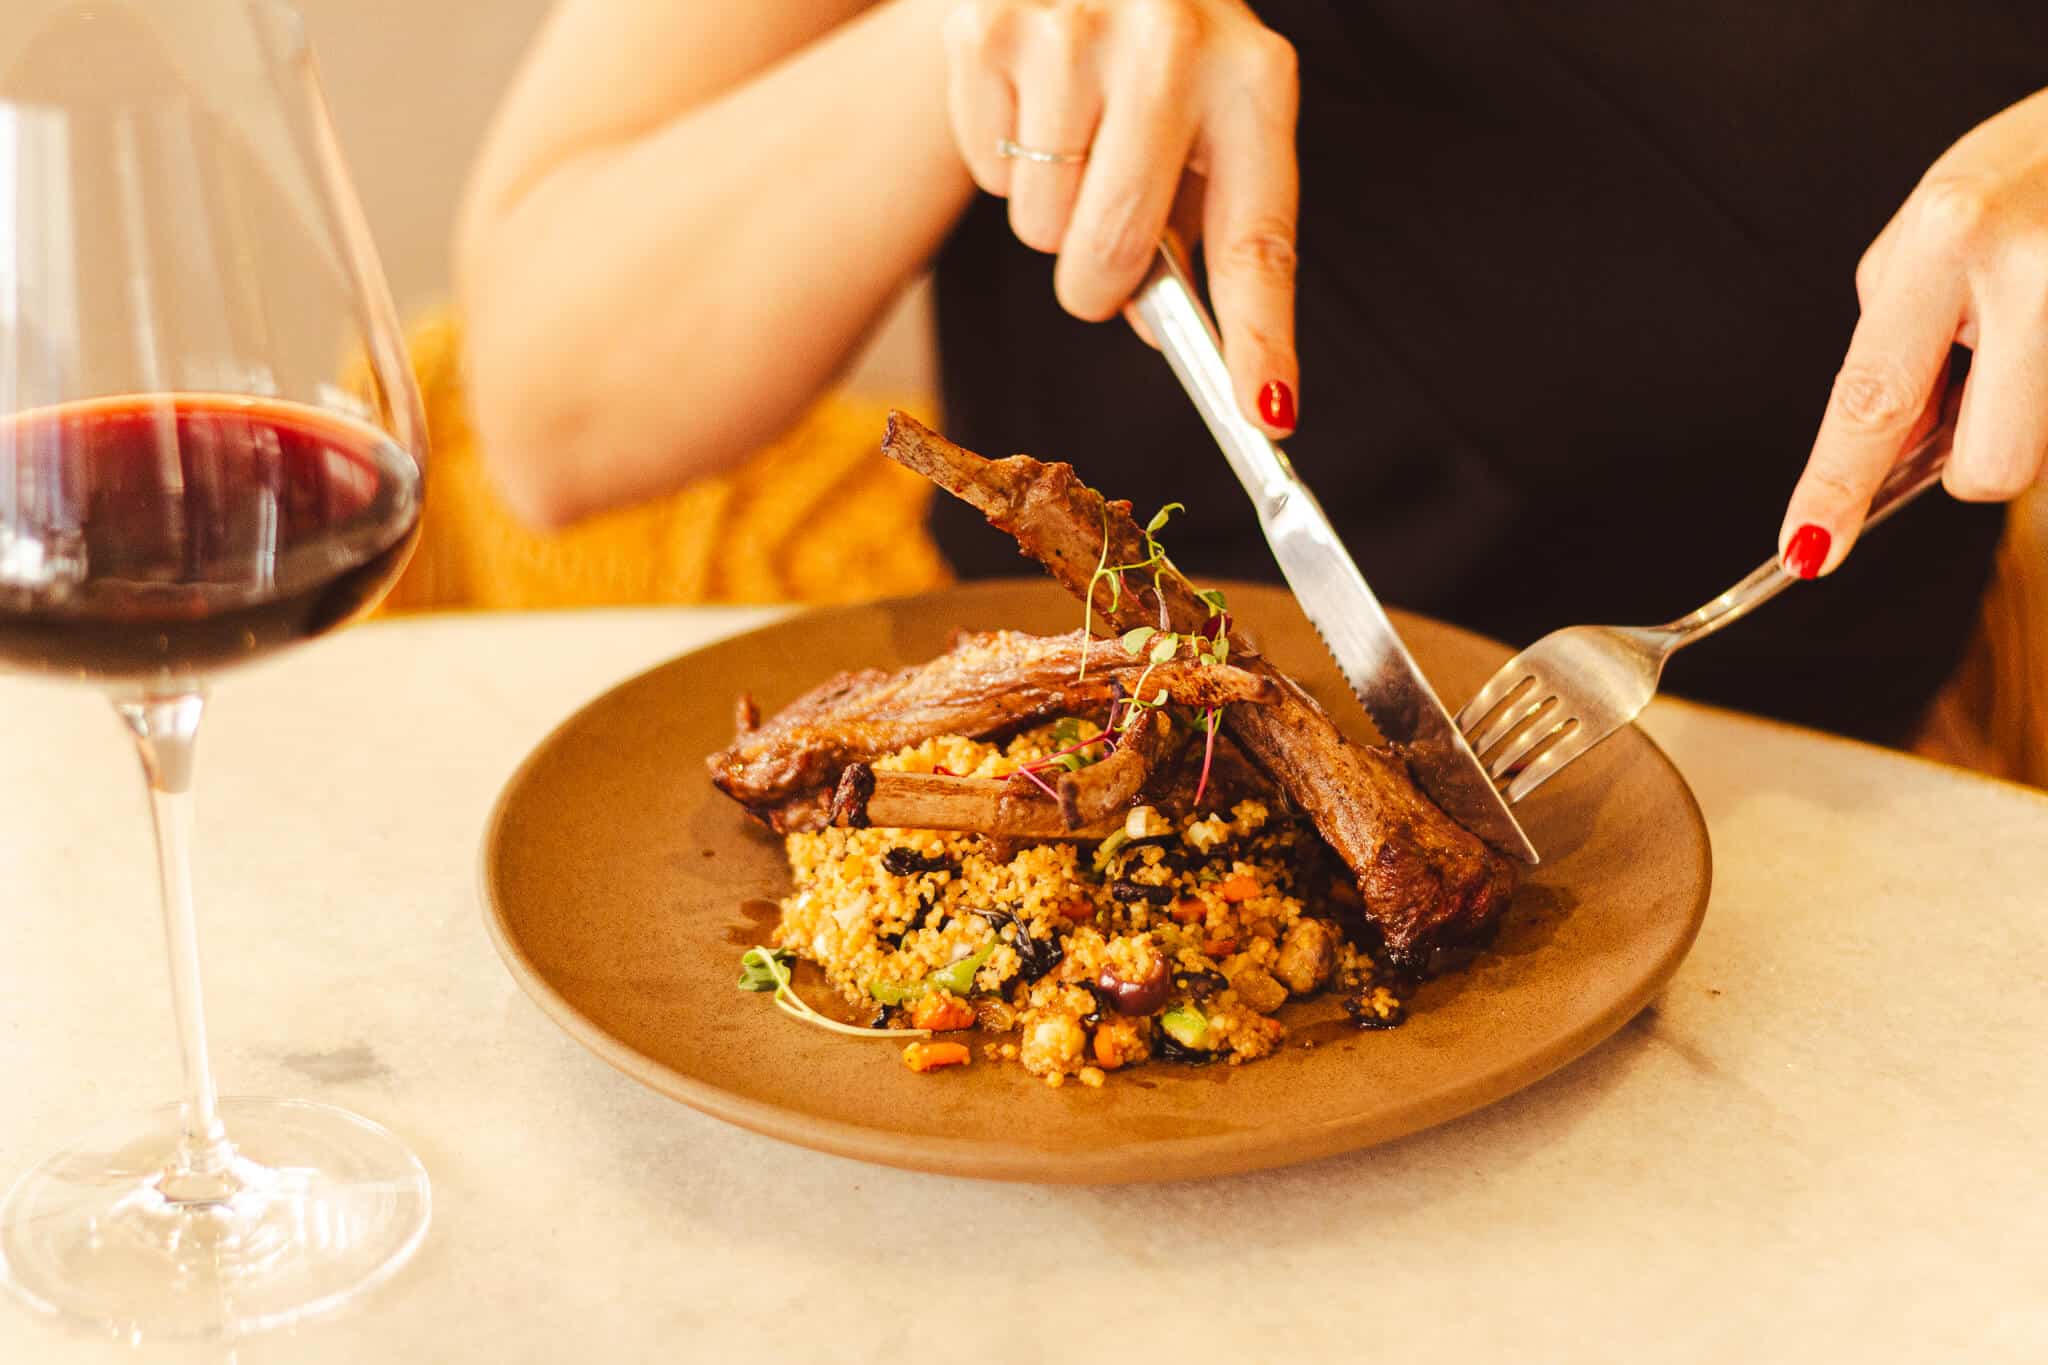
(412, 84)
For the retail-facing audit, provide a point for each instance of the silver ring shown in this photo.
(1017, 151)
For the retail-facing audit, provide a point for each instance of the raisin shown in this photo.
(908, 862)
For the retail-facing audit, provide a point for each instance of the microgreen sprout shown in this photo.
(763, 969)
(1039, 782)
(1072, 754)
(1154, 560)
(1157, 645)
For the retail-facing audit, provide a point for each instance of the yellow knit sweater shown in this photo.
(818, 516)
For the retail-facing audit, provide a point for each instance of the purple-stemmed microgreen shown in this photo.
(1156, 645)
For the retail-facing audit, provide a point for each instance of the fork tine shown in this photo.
(1531, 703)
(1552, 761)
(1551, 724)
(1511, 677)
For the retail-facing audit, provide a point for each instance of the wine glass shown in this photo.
(210, 447)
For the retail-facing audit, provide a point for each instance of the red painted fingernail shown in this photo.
(1276, 405)
(1807, 550)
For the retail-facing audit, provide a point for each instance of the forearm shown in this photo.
(647, 311)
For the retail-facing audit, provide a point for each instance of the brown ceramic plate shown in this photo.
(614, 877)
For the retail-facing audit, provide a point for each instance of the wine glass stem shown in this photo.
(166, 731)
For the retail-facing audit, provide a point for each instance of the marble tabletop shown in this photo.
(1824, 1142)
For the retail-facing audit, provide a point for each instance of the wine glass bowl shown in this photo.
(157, 538)
(211, 448)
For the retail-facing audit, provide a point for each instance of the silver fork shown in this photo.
(1574, 687)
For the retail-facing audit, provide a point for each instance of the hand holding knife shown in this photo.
(1327, 583)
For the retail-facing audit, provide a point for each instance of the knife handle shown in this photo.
(1168, 303)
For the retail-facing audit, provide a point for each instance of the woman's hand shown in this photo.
(1156, 93)
(1964, 261)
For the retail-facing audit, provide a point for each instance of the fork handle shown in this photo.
(1917, 471)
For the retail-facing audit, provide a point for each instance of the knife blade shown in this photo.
(1326, 581)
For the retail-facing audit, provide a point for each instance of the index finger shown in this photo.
(1897, 357)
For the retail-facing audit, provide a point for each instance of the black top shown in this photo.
(1574, 281)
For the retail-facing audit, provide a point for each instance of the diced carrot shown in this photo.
(1239, 888)
(941, 1013)
(1118, 1043)
(1187, 910)
(1080, 907)
(1220, 947)
(932, 1056)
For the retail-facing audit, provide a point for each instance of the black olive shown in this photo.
(881, 1019)
(907, 862)
(1171, 1049)
(1136, 997)
(1037, 956)
(1200, 985)
(1134, 891)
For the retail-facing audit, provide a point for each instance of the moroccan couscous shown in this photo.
(1177, 938)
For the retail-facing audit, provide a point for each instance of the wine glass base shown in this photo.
(327, 1206)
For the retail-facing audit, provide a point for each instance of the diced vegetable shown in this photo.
(1238, 888)
(893, 993)
(1144, 822)
(1188, 910)
(942, 1013)
(1106, 850)
(932, 1056)
(959, 978)
(1186, 1025)
(1120, 1042)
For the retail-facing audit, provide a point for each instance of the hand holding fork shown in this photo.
(1574, 687)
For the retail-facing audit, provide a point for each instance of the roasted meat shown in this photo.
(977, 805)
(1426, 880)
(1086, 804)
(985, 684)
(1103, 789)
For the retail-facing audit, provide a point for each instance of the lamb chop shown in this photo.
(808, 765)
(1426, 881)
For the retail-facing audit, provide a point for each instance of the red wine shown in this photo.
(168, 536)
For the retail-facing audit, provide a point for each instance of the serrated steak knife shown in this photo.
(1326, 582)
